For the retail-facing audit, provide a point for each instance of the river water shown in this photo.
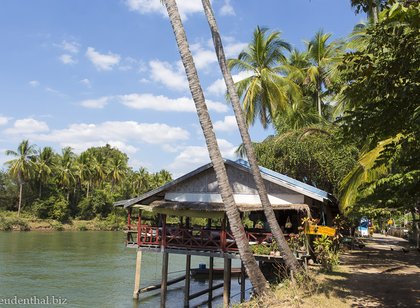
(89, 269)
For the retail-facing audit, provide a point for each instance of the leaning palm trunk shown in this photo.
(287, 254)
(254, 273)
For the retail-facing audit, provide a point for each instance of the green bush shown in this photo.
(326, 252)
(13, 223)
(55, 207)
(57, 226)
(82, 228)
(97, 205)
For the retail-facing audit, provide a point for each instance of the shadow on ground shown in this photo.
(386, 273)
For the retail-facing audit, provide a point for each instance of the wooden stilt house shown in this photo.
(162, 220)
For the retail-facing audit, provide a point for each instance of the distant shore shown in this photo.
(27, 222)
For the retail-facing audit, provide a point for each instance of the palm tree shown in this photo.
(83, 171)
(323, 58)
(44, 166)
(266, 91)
(371, 7)
(117, 170)
(367, 170)
(23, 166)
(256, 277)
(66, 170)
(288, 256)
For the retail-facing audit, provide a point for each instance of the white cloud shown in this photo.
(54, 91)
(169, 76)
(33, 83)
(86, 82)
(227, 9)
(4, 120)
(203, 58)
(67, 59)
(194, 156)
(219, 87)
(81, 136)
(144, 80)
(98, 103)
(227, 125)
(102, 62)
(163, 103)
(72, 47)
(27, 126)
(232, 50)
(186, 7)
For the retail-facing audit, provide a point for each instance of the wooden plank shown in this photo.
(158, 286)
(197, 294)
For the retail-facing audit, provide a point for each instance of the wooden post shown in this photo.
(164, 281)
(242, 282)
(226, 281)
(211, 266)
(137, 275)
(187, 281)
(139, 229)
(223, 234)
(163, 242)
(129, 219)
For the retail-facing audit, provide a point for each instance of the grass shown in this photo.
(318, 289)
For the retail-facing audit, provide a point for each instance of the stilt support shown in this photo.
(242, 282)
(137, 275)
(227, 281)
(211, 266)
(164, 281)
(187, 281)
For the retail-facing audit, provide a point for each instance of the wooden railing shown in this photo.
(192, 238)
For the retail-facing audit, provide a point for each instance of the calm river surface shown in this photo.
(88, 269)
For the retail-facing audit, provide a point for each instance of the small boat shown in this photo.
(203, 272)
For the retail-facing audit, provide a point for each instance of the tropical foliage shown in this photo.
(66, 185)
(353, 130)
(382, 95)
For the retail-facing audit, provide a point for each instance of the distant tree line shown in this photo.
(66, 185)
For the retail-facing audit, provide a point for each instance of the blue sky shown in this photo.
(85, 73)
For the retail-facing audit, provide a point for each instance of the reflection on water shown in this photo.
(90, 269)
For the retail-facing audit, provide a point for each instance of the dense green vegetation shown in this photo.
(66, 186)
(347, 111)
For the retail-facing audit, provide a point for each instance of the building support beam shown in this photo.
(227, 281)
(137, 275)
(211, 266)
(242, 282)
(164, 281)
(187, 281)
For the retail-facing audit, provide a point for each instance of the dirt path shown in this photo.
(385, 273)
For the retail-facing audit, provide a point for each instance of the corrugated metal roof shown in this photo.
(319, 192)
(267, 174)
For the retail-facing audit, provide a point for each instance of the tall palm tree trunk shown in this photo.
(287, 254)
(254, 273)
(20, 197)
(318, 97)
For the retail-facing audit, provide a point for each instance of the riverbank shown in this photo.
(28, 222)
(385, 273)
